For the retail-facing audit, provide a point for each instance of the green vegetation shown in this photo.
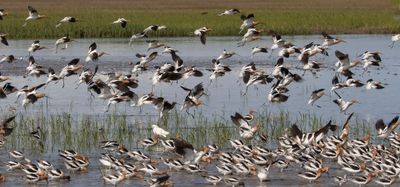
(83, 133)
(285, 17)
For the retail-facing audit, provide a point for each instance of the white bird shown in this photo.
(343, 105)
(122, 21)
(154, 44)
(225, 55)
(2, 13)
(395, 38)
(35, 46)
(93, 55)
(153, 28)
(159, 131)
(315, 95)
(371, 84)
(232, 11)
(68, 19)
(258, 50)
(64, 40)
(329, 40)
(33, 15)
(252, 34)
(201, 32)
(385, 130)
(137, 36)
(248, 22)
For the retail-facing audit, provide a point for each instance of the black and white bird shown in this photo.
(3, 39)
(315, 95)
(33, 15)
(371, 84)
(202, 32)
(248, 22)
(256, 50)
(35, 46)
(385, 130)
(93, 55)
(329, 40)
(2, 13)
(343, 105)
(122, 21)
(68, 19)
(153, 28)
(63, 40)
(225, 55)
(232, 11)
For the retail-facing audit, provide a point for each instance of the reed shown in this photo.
(311, 17)
(84, 132)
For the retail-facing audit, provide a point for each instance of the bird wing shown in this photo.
(279, 62)
(338, 95)
(32, 11)
(326, 35)
(295, 131)
(394, 123)
(73, 62)
(203, 38)
(380, 125)
(239, 121)
(92, 47)
(344, 58)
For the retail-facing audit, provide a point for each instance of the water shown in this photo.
(224, 95)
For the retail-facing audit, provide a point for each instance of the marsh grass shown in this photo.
(84, 132)
(307, 18)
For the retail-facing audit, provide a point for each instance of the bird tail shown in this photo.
(58, 25)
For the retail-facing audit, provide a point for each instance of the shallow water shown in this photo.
(224, 96)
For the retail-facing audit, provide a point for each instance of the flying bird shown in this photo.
(232, 11)
(122, 21)
(202, 32)
(68, 19)
(33, 15)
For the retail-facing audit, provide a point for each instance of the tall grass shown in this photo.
(83, 133)
(97, 23)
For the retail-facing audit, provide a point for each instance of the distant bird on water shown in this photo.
(232, 11)
(122, 21)
(33, 15)
(202, 32)
(68, 19)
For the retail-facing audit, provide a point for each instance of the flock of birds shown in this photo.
(314, 153)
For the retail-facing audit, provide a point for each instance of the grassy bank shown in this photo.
(183, 17)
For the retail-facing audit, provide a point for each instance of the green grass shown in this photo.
(96, 24)
(83, 133)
